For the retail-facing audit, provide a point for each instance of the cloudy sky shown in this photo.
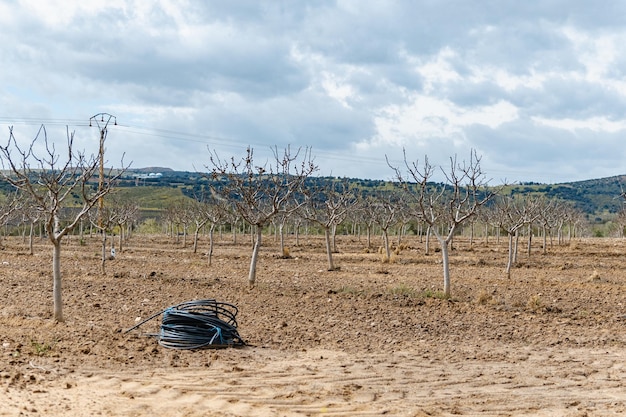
(536, 88)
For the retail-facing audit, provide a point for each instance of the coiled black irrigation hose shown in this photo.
(199, 324)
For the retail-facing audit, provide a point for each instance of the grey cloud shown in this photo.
(307, 120)
(546, 154)
(241, 83)
(573, 99)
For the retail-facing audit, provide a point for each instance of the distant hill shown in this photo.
(599, 199)
(596, 197)
(593, 197)
(150, 169)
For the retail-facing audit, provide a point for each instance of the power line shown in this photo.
(32, 121)
(222, 142)
(225, 142)
(173, 135)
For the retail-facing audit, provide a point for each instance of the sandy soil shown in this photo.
(369, 339)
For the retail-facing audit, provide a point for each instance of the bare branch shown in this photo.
(49, 185)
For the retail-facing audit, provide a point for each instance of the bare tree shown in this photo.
(621, 216)
(182, 214)
(382, 208)
(104, 219)
(365, 211)
(211, 211)
(327, 205)
(168, 217)
(216, 211)
(621, 221)
(571, 217)
(126, 213)
(199, 218)
(403, 217)
(547, 218)
(231, 217)
(260, 192)
(279, 222)
(49, 180)
(447, 205)
(9, 204)
(30, 215)
(511, 214)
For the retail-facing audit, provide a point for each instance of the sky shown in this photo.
(537, 89)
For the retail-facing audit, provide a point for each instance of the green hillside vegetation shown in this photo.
(598, 199)
(149, 198)
(595, 198)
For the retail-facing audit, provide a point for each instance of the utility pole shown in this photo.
(102, 121)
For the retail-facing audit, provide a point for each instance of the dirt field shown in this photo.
(370, 339)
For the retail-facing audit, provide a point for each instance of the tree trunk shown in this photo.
(121, 239)
(297, 234)
(329, 250)
(56, 281)
(446, 267)
(281, 232)
(104, 250)
(195, 240)
(30, 239)
(386, 243)
(210, 254)
(551, 237)
(569, 233)
(516, 245)
(255, 255)
(510, 260)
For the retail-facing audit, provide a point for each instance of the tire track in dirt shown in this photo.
(262, 382)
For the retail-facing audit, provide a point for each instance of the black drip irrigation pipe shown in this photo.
(199, 324)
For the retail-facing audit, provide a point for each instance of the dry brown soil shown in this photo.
(369, 339)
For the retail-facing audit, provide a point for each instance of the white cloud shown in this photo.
(57, 14)
(511, 82)
(338, 89)
(429, 117)
(602, 55)
(596, 124)
(596, 52)
(353, 80)
(438, 70)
